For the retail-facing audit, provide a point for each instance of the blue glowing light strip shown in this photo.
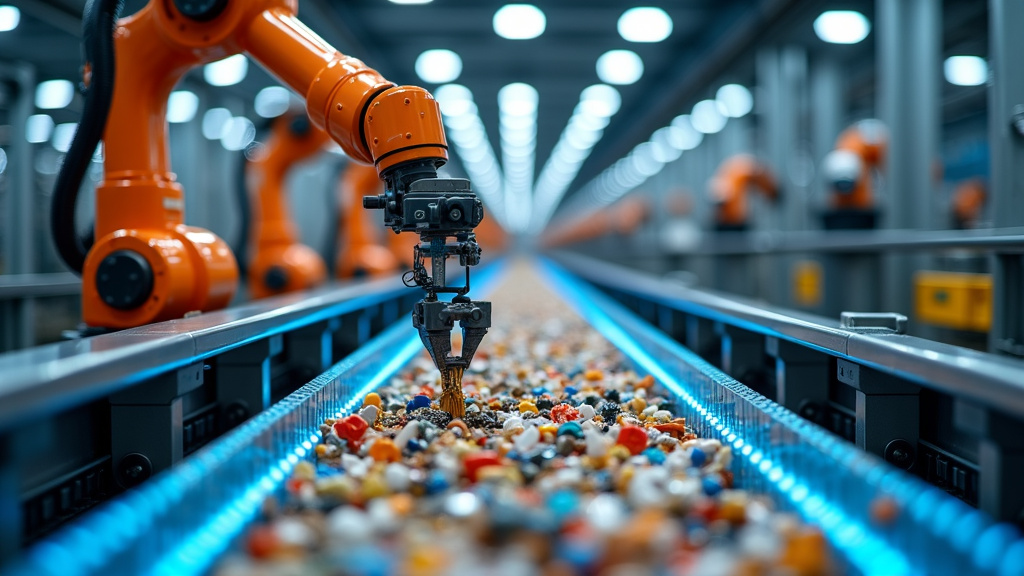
(828, 481)
(179, 522)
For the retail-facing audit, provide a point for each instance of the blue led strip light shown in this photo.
(179, 522)
(827, 480)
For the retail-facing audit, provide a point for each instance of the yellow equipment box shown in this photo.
(954, 300)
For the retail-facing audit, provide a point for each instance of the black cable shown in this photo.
(244, 214)
(98, 23)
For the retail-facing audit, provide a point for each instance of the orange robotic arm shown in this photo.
(280, 263)
(146, 265)
(860, 150)
(968, 202)
(730, 185)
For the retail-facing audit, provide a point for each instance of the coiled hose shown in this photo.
(98, 22)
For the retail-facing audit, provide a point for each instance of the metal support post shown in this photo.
(19, 234)
(1000, 459)
(310, 350)
(909, 56)
(801, 377)
(1006, 137)
(243, 380)
(743, 355)
(147, 425)
(887, 413)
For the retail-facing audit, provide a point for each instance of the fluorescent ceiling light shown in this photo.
(226, 72)
(600, 100)
(688, 137)
(965, 70)
(10, 16)
(54, 94)
(438, 66)
(3, 160)
(214, 122)
(410, 2)
(519, 21)
(238, 133)
(620, 67)
(518, 99)
(645, 24)
(63, 134)
(735, 99)
(38, 128)
(272, 101)
(182, 106)
(842, 26)
(708, 117)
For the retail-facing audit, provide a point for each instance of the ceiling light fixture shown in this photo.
(215, 120)
(842, 26)
(645, 24)
(63, 134)
(272, 101)
(519, 21)
(620, 67)
(708, 116)
(10, 16)
(411, 2)
(965, 70)
(182, 106)
(438, 66)
(38, 128)
(238, 133)
(54, 94)
(735, 99)
(226, 72)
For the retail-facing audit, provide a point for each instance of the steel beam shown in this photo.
(909, 55)
(1006, 99)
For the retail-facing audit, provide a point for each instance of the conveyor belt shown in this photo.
(178, 522)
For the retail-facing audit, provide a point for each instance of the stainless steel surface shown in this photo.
(1005, 92)
(858, 241)
(49, 378)
(993, 381)
(21, 286)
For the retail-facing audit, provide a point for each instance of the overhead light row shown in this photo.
(517, 119)
(597, 105)
(466, 132)
(666, 145)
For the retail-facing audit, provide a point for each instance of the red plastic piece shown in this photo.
(634, 438)
(474, 462)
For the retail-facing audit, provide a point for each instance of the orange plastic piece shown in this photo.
(140, 206)
(360, 252)
(968, 202)
(277, 253)
(384, 450)
(731, 183)
(869, 141)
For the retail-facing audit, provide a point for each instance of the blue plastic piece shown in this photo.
(563, 503)
(417, 402)
(655, 456)
(571, 391)
(698, 457)
(539, 391)
(571, 428)
(711, 485)
(436, 482)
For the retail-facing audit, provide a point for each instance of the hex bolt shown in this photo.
(133, 469)
(900, 453)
